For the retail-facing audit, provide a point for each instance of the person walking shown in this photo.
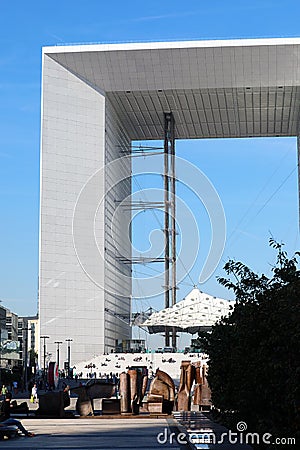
(5, 418)
(4, 391)
(34, 395)
(15, 387)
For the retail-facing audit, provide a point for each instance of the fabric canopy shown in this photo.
(198, 311)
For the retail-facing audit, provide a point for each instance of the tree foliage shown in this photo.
(254, 353)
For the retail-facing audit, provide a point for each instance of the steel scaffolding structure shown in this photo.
(169, 206)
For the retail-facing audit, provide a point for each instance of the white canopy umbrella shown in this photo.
(197, 311)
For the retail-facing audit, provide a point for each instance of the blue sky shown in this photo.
(259, 193)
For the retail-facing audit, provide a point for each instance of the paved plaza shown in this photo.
(85, 434)
(115, 432)
(106, 433)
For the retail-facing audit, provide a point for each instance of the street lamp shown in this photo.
(44, 338)
(0, 342)
(1, 319)
(25, 356)
(69, 354)
(58, 344)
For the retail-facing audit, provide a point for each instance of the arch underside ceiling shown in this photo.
(211, 113)
(215, 89)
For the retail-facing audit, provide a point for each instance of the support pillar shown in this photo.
(298, 159)
(170, 219)
(167, 219)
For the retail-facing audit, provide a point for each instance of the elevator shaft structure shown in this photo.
(169, 228)
(170, 220)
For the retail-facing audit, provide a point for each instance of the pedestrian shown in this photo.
(4, 391)
(15, 387)
(34, 395)
(66, 396)
(5, 418)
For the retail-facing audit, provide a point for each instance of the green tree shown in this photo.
(254, 353)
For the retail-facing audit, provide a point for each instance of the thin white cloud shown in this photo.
(204, 11)
(163, 16)
(250, 235)
(55, 36)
